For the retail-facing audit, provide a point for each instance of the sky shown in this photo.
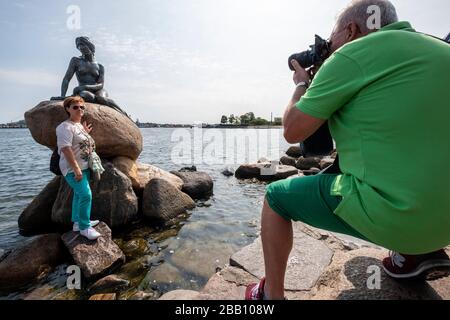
(174, 61)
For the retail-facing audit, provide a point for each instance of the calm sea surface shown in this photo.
(212, 232)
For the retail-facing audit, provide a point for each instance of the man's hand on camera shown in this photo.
(300, 74)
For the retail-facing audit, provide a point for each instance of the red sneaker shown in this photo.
(402, 266)
(255, 291)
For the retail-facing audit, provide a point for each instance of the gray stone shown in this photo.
(95, 258)
(113, 200)
(114, 134)
(31, 262)
(308, 259)
(163, 201)
(347, 278)
(109, 283)
(198, 185)
(294, 152)
(265, 172)
(180, 295)
(288, 161)
(37, 216)
(307, 163)
(147, 172)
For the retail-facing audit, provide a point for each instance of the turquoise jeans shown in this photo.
(82, 199)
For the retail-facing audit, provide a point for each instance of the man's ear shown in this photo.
(353, 32)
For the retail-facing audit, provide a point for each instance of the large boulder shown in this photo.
(95, 258)
(140, 174)
(162, 201)
(37, 217)
(113, 200)
(198, 185)
(31, 262)
(114, 133)
(265, 171)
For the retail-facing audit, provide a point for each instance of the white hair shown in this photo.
(357, 11)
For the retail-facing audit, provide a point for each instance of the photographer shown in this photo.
(384, 93)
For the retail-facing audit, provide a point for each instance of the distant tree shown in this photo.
(245, 119)
(224, 120)
(232, 119)
(259, 122)
(250, 116)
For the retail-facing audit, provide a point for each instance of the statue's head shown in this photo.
(85, 46)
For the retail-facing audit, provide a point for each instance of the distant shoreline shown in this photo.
(174, 126)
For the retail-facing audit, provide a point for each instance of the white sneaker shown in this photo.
(76, 226)
(90, 233)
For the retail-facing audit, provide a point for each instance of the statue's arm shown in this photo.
(69, 74)
(100, 81)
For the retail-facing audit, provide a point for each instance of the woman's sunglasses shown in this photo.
(76, 107)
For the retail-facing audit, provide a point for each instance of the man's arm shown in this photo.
(298, 126)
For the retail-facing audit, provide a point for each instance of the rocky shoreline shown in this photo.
(322, 266)
(131, 196)
(141, 206)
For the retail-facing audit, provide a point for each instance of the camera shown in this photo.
(321, 142)
(316, 56)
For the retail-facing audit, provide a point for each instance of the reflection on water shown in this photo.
(204, 240)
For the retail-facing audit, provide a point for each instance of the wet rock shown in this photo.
(347, 278)
(288, 161)
(294, 152)
(308, 259)
(227, 172)
(265, 172)
(141, 295)
(109, 284)
(188, 169)
(135, 248)
(307, 163)
(31, 262)
(162, 201)
(114, 134)
(106, 296)
(113, 200)
(95, 258)
(42, 293)
(198, 185)
(37, 216)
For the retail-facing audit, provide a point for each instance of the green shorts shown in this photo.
(308, 199)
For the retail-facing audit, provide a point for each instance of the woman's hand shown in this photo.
(78, 174)
(87, 127)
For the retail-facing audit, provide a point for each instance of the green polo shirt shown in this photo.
(387, 100)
